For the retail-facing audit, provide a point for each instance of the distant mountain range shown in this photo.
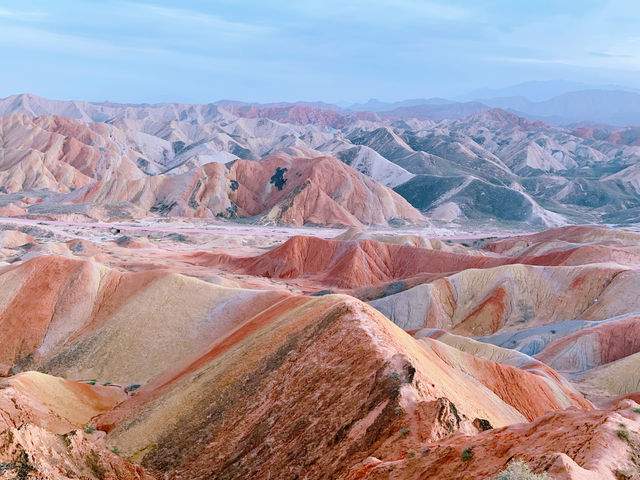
(614, 107)
(538, 91)
(554, 102)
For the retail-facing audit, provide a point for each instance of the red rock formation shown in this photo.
(295, 114)
(361, 263)
(349, 264)
(42, 433)
(62, 315)
(314, 190)
(33, 452)
(97, 164)
(59, 154)
(624, 136)
(266, 384)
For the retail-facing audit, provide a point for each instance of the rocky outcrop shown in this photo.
(570, 444)
(43, 431)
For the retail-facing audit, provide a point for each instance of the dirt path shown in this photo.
(226, 229)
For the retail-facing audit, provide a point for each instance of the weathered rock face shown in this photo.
(43, 434)
(570, 444)
(33, 452)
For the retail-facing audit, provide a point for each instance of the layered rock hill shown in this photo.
(320, 191)
(289, 346)
(346, 264)
(175, 353)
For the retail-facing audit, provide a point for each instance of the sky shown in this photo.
(329, 50)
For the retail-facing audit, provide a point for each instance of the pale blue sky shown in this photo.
(331, 50)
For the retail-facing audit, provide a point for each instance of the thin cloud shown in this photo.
(68, 45)
(330, 48)
(381, 13)
(610, 55)
(196, 19)
(621, 62)
(532, 60)
(22, 15)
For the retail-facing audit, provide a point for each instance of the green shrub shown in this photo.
(623, 434)
(467, 454)
(89, 430)
(403, 432)
(518, 470)
(636, 410)
(411, 454)
(115, 450)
